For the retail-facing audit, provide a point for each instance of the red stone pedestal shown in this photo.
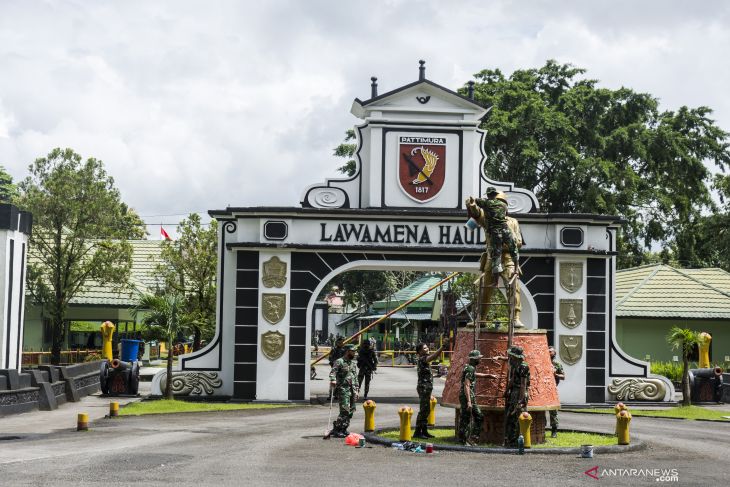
(490, 392)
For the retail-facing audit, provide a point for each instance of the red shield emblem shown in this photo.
(422, 166)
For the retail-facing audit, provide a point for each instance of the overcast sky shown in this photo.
(197, 105)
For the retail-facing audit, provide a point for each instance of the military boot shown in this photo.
(420, 433)
(554, 433)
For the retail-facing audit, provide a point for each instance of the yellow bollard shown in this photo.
(525, 423)
(82, 422)
(113, 409)
(623, 419)
(107, 330)
(432, 412)
(617, 409)
(405, 414)
(704, 347)
(369, 407)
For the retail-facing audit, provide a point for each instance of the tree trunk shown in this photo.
(168, 382)
(686, 399)
(57, 329)
(196, 339)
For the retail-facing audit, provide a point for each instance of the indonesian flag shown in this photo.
(164, 234)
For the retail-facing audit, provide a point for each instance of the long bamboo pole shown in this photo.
(387, 315)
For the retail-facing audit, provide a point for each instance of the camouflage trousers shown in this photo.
(498, 237)
(470, 422)
(512, 425)
(347, 409)
(424, 405)
(554, 419)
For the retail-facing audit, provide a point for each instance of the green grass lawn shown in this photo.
(684, 412)
(164, 406)
(566, 439)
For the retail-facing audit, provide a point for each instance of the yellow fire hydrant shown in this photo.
(623, 418)
(525, 422)
(617, 409)
(432, 412)
(704, 346)
(405, 414)
(369, 407)
(107, 330)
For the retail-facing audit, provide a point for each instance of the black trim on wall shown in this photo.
(8, 323)
(246, 329)
(21, 304)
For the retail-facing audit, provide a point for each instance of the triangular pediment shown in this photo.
(422, 95)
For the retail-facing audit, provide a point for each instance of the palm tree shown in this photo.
(686, 339)
(163, 315)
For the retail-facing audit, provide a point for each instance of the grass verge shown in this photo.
(166, 406)
(681, 412)
(565, 439)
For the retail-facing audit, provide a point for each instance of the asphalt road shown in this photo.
(284, 447)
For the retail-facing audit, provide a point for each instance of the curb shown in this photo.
(637, 445)
(647, 416)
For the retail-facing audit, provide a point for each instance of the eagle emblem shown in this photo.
(273, 307)
(421, 167)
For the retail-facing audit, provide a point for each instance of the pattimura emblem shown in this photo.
(273, 307)
(421, 166)
(274, 273)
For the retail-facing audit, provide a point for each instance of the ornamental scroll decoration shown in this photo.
(637, 389)
(192, 383)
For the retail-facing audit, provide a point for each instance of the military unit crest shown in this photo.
(571, 348)
(571, 276)
(273, 344)
(274, 274)
(422, 166)
(571, 312)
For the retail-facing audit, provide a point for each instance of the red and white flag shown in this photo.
(164, 234)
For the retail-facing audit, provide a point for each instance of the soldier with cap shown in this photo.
(343, 379)
(425, 387)
(517, 394)
(559, 375)
(470, 416)
(337, 351)
(494, 208)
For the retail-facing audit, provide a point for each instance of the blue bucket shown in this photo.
(130, 349)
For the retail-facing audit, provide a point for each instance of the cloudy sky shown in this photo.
(197, 105)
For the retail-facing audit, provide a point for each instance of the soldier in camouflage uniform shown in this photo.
(343, 378)
(495, 212)
(425, 387)
(516, 395)
(559, 375)
(470, 416)
(367, 363)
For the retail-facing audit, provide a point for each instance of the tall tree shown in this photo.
(80, 232)
(588, 149)
(165, 319)
(189, 268)
(8, 190)
(686, 340)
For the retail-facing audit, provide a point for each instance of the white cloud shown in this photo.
(194, 106)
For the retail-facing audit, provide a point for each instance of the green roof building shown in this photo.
(98, 303)
(651, 299)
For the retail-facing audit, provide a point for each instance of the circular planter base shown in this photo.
(636, 445)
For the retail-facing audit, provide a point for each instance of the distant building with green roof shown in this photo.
(651, 299)
(97, 304)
